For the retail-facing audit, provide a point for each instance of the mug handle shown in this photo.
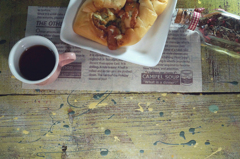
(66, 58)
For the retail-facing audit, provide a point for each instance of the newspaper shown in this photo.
(179, 69)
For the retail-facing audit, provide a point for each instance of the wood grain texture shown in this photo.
(83, 124)
(38, 126)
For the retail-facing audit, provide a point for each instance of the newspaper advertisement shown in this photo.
(179, 69)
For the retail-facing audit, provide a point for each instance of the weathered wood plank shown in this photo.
(39, 125)
(142, 125)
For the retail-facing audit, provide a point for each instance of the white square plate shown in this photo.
(146, 52)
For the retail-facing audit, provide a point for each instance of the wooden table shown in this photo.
(63, 124)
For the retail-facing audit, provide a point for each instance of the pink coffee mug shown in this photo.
(27, 42)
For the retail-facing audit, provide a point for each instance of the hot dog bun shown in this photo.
(95, 14)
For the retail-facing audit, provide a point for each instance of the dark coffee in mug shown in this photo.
(36, 62)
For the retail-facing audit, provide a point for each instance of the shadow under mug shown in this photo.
(29, 41)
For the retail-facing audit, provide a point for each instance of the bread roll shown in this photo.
(117, 23)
